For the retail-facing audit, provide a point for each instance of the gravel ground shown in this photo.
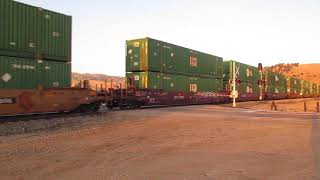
(193, 142)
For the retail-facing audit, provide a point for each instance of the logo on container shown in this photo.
(6, 77)
(193, 61)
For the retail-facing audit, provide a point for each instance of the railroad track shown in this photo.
(22, 124)
(53, 115)
(43, 116)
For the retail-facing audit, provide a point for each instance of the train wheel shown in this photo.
(134, 105)
(109, 106)
(122, 107)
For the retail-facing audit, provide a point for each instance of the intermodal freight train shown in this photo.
(167, 74)
(35, 71)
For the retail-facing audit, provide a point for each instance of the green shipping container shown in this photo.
(173, 82)
(306, 88)
(22, 73)
(55, 74)
(314, 89)
(275, 79)
(243, 87)
(293, 85)
(32, 32)
(243, 72)
(276, 89)
(148, 54)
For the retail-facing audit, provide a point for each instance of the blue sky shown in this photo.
(250, 31)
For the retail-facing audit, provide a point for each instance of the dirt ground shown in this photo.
(291, 105)
(194, 142)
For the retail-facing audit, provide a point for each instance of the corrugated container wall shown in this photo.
(173, 82)
(314, 89)
(243, 87)
(306, 88)
(294, 85)
(23, 73)
(276, 79)
(147, 54)
(18, 73)
(276, 89)
(55, 74)
(243, 72)
(32, 32)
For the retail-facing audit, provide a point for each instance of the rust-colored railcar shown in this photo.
(17, 102)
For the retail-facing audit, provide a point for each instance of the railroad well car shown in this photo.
(35, 71)
(172, 74)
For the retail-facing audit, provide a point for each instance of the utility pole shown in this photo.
(261, 81)
(234, 92)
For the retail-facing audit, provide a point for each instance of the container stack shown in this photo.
(275, 83)
(246, 77)
(293, 86)
(35, 47)
(306, 88)
(153, 64)
(314, 89)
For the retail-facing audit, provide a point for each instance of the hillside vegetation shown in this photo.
(309, 72)
(96, 80)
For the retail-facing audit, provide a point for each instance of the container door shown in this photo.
(133, 80)
(134, 56)
(138, 78)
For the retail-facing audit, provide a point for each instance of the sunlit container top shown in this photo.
(243, 72)
(33, 32)
(157, 56)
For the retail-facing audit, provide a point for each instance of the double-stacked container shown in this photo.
(35, 47)
(314, 89)
(247, 78)
(294, 87)
(174, 82)
(306, 88)
(275, 86)
(157, 65)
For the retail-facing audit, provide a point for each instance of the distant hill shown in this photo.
(98, 80)
(309, 72)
